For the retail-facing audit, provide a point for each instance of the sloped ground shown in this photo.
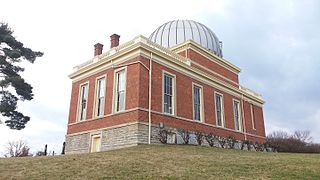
(165, 162)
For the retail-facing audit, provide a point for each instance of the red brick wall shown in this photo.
(137, 96)
(132, 91)
(198, 58)
(184, 102)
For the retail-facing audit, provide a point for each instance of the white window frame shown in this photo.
(79, 106)
(201, 103)
(222, 109)
(173, 101)
(239, 114)
(95, 110)
(115, 90)
(253, 119)
(93, 136)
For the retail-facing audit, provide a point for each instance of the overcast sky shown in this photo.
(275, 43)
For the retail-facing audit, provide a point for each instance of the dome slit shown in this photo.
(169, 33)
(184, 31)
(191, 30)
(198, 32)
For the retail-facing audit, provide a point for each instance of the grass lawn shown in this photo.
(165, 162)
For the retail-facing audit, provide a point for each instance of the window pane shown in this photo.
(196, 103)
(120, 101)
(121, 81)
(219, 109)
(167, 96)
(83, 102)
(100, 97)
(236, 115)
(102, 84)
(120, 90)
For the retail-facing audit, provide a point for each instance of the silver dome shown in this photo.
(178, 31)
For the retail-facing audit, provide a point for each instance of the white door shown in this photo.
(95, 143)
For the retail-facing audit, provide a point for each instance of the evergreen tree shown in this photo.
(12, 86)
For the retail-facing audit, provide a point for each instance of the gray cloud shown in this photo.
(275, 44)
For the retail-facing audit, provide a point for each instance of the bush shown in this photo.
(185, 134)
(244, 143)
(163, 135)
(298, 142)
(17, 149)
(230, 141)
(258, 147)
(210, 139)
(222, 141)
(199, 137)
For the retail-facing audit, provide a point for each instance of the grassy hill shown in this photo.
(165, 162)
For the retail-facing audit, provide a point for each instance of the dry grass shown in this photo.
(165, 162)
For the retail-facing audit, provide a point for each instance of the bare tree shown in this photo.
(17, 149)
(303, 136)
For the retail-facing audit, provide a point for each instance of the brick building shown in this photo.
(176, 78)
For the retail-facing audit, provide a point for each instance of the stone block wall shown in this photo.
(79, 143)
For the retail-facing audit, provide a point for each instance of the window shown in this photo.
(236, 113)
(100, 96)
(253, 119)
(219, 109)
(197, 103)
(83, 102)
(120, 90)
(168, 94)
(95, 143)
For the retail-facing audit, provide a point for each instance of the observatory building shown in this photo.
(175, 79)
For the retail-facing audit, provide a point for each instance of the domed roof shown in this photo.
(178, 31)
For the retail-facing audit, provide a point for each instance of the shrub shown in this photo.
(299, 142)
(17, 149)
(244, 143)
(199, 137)
(163, 135)
(185, 134)
(230, 141)
(210, 139)
(222, 141)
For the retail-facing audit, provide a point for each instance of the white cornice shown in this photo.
(126, 50)
(211, 56)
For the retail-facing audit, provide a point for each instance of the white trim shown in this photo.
(155, 125)
(104, 64)
(239, 114)
(223, 123)
(115, 86)
(190, 44)
(94, 135)
(202, 119)
(215, 73)
(174, 101)
(207, 79)
(95, 108)
(171, 63)
(86, 83)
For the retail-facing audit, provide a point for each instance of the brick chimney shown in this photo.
(98, 49)
(114, 40)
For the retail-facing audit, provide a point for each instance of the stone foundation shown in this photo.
(112, 138)
(123, 136)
